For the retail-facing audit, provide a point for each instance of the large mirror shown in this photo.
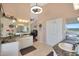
(23, 28)
(12, 27)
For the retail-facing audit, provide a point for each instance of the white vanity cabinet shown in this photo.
(25, 42)
(10, 49)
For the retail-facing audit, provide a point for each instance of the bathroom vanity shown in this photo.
(25, 41)
(10, 49)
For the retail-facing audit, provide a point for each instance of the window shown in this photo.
(73, 26)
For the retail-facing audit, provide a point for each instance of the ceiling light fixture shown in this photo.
(77, 19)
(76, 6)
(36, 9)
(13, 21)
(20, 25)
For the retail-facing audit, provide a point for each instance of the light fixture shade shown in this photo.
(78, 19)
(23, 21)
(13, 21)
(76, 6)
(36, 10)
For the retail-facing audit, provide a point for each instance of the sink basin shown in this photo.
(66, 47)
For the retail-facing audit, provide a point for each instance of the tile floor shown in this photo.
(42, 50)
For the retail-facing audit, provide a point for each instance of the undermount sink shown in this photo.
(66, 47)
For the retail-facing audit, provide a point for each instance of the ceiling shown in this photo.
(52, 10)
(19, 10)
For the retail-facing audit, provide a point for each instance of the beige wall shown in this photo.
(53, 11)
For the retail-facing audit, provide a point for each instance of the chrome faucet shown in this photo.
(74, 46)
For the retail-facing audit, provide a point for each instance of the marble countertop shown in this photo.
(61, 52)
(11, 39)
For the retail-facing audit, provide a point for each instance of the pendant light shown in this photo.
(36, 9)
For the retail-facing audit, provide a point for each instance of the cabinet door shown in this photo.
(25, 42)
(10, 49)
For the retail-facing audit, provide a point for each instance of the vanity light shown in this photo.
(24, 21)
(13, 21)
(20, 24)
(19, 20)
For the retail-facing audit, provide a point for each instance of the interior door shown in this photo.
(53, 31)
